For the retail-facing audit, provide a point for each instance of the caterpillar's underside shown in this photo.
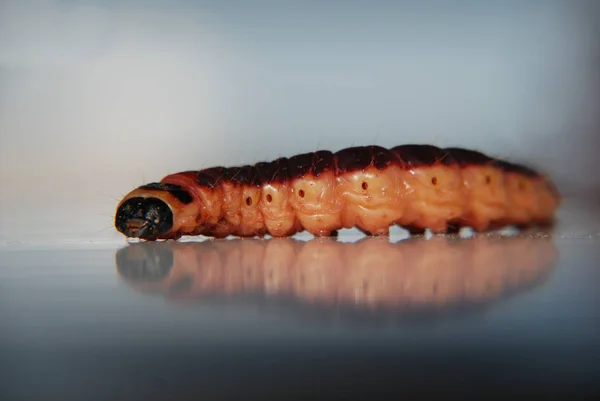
(369, 187)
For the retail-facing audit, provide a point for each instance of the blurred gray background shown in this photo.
(98, 97)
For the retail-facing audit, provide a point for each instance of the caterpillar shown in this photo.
(374, 273)
(372, 188)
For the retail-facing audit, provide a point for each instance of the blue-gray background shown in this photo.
(97, 97)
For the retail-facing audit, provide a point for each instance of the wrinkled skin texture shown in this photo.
(372, 188)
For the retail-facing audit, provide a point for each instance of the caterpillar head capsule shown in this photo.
(145, 218)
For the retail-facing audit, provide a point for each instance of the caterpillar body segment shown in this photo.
(369, 187)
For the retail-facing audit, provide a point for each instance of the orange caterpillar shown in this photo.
(369, 187)
(411, 274)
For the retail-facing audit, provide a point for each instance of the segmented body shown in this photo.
(369, 187)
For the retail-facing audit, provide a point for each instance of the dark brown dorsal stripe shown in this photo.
(352, 159)
(322, 162)
(517, 168)
(466, 157)
(275, 171)
(300, 165)
(176, 190)
(245, 175)
(422, 155)
(382, 157)
(210, 177)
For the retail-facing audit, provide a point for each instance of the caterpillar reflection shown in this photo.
(368, 187)
(413, 274)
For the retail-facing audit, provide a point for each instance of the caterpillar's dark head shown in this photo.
(145, 218)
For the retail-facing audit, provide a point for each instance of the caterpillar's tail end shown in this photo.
(144, 218)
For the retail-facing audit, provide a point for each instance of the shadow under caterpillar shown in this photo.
(368, 187)
(414, 276)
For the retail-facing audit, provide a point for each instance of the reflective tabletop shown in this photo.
(354, 318)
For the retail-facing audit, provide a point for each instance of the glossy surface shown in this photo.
(416, 186)
(294, 319)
